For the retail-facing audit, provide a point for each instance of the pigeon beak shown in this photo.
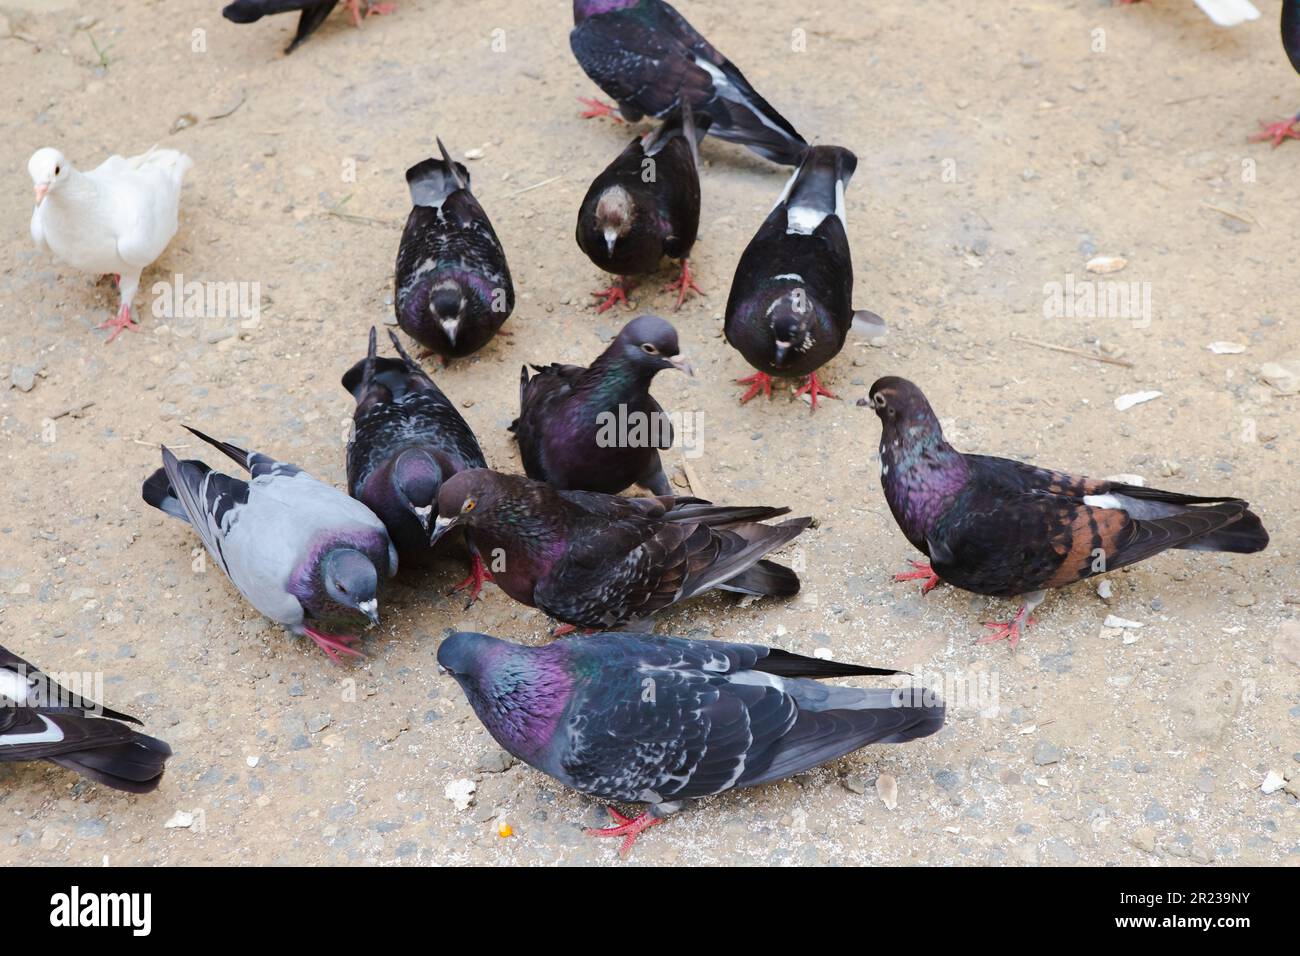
(443, 671)
(41, 190)
(370, 609)
(782, 352)
(611, 237)
(681, 363)
(423, 514)
(441, 526)
(450, 326)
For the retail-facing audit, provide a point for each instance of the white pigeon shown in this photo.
(1228, 13)
(116, 219)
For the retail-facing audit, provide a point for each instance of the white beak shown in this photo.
(370, 609)
(450, 326)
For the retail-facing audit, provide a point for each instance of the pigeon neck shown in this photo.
(77, 187)
(520, 695)
(590, 8)
(614, 377)
(920, 473)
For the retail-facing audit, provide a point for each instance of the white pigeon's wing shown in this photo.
(1228, 13)
(143, 195)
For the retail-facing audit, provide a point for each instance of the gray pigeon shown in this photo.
(304, 554)
(661, 720)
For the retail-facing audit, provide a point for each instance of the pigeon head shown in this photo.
(791, 318)
(519, 693)
(351, 580)
(464, 498)
(650, 343)
(48, 170)
(447, 306)
(416, 477)
(614, 212)
(902, 407)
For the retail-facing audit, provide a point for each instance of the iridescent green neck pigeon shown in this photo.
(453, 288)
(601, 561)
(42, 720)
(646, 205)
(1287, 128)
(304, 554)
(1003, 528)
(791, 302)
(598, 428)
(646, 56)
(637, 718)
(407, 439)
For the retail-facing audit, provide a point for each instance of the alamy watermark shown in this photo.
(1098, 299)
(196, 300)
(626, 428)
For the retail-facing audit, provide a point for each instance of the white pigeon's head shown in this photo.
(48, 169)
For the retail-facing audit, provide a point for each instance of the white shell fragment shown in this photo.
(460, 792)
(1273, 782)
(1226, 348)
(1113, 621)
(1284, 376)
(1125, 402)
(180, 820)
(1104, 589)
(887, 790)
(1105, 264)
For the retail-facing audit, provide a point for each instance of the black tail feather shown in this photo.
(784, 664)
(234, 452)
(764, 579)
(134, 767)
(158, 492)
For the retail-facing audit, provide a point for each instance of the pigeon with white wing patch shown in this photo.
(43, 720)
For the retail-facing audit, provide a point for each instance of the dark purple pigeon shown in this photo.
(637, 718)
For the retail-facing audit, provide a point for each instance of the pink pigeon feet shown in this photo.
(683, 284)
(333, 646)
(1011, 630)
(372, 10)
(1277, 132)
(758, 382)
(615, 293)
(597, 108)
(118, 323)
(478, 574)
(814, 388)
(923, 570)
(628, 827)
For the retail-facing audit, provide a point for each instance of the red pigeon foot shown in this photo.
(478, 574)
(597, 108)
(120, 322)
(814, 388)
(627, 827)
(1277, 132)
(923, 570)
(758, 382)
(683, 283)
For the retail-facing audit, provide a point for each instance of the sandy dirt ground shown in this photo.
(1000, 150)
